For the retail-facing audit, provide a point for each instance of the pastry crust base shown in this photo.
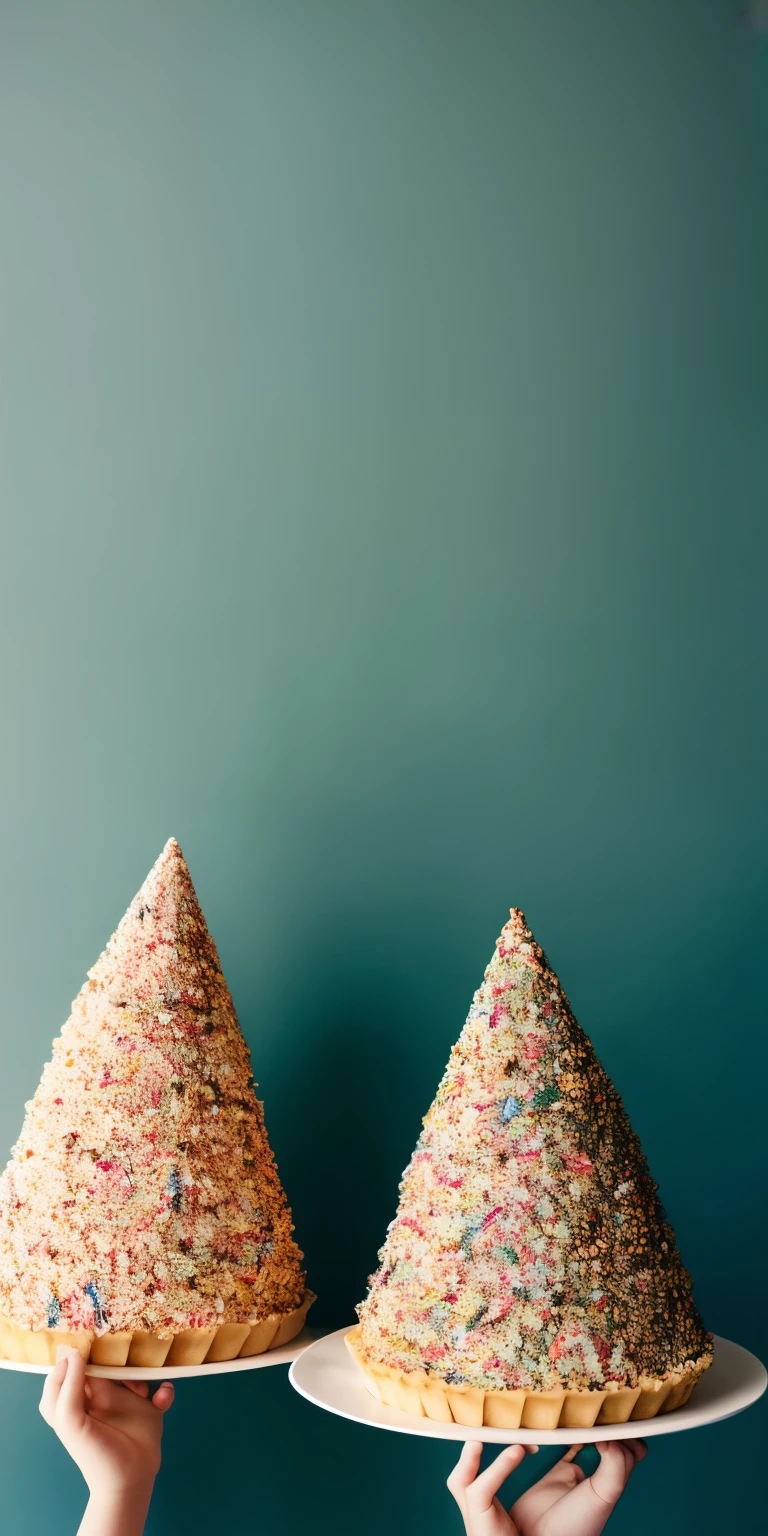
(426, 1396)
(228, 1341)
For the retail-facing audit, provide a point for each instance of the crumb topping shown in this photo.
(530, 1248)
(142, 1192)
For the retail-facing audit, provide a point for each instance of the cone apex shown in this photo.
(517, 926)
(170, 875)
(170, 855)
(169, 871)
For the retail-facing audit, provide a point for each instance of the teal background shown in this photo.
(383, 472)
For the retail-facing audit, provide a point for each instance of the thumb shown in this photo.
(51, 1391)
(70, 1408)
(612, 1475)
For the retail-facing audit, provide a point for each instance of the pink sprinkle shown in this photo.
(435, 1351)
(491, 1215)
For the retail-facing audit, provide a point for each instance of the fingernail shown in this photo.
(64, 1352)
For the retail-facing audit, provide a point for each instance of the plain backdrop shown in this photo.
(383, 471)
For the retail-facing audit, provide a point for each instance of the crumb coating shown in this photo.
(530, 1248)
(142, 1192)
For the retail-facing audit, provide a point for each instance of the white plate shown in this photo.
(327, 1376)
(282, 1356)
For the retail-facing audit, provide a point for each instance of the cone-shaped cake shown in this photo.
(530, 1275)
(141, 1215)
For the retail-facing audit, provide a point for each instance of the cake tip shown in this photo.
(517, 920)
(170, 858)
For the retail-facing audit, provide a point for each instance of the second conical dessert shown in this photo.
(530, 1275)
(141, 1215)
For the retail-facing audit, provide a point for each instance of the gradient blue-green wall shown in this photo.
(383, 472)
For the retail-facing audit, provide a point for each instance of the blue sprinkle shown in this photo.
(98, 1306)
(174, 1189)
(53, 1310)
(510, 1108)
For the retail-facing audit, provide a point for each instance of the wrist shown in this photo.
(117, 1510)
(109, 1490)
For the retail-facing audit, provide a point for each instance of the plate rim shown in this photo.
(401, 1423)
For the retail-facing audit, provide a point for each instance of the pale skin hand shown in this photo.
(563, 1503)
(112, 1431)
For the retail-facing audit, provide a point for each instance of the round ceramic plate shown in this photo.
(327, 1376)
(282, 1356)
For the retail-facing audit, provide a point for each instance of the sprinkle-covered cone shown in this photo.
(530, 1257)
(141, 1208)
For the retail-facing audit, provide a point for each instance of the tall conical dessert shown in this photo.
(141, 1215)
(530, 1275)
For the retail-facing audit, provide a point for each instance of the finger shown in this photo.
(466, 1468)
(588, 1509)
(638, 1448)
(51, 1390)
(560, 1480)
(70, 1408)
(566, 1471)
(163, 1398)
(612, 1474)
(104, 1395)
(141, 1388)
(484, 1489)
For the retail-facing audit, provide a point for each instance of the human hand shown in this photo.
(112, 1431)
(482, 1512)
(563, 1503)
